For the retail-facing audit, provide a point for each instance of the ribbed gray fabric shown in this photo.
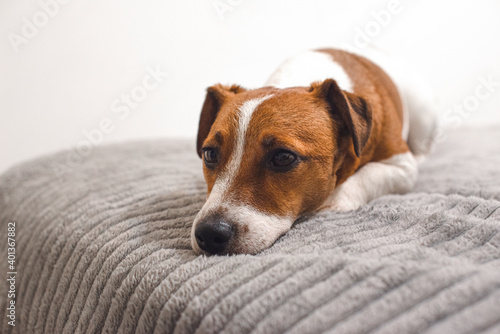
(105, 249)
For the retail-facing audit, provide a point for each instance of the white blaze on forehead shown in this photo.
(245, 115)
(221, 185)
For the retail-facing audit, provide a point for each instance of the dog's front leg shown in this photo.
(396, 175)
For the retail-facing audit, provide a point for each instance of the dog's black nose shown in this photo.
(213, 237)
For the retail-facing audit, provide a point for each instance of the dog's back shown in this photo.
(415, 99)
(417, 96)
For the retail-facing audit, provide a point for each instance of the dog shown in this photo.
(330, 130)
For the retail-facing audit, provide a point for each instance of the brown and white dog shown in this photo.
(330, 130)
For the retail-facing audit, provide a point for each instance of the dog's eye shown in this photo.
(283, 159)
(210, 157)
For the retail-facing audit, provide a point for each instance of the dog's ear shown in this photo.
(216, 95)
(353, 110)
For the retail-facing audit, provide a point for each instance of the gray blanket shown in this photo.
(104, 247)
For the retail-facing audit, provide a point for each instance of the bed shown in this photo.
(102, 246)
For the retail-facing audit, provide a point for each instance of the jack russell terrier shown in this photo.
(329, 131)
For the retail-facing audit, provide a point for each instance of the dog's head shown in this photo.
(269, 156)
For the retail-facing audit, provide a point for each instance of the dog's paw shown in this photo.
(349, 196)
(340, 206)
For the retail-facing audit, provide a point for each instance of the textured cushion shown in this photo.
(104, 247)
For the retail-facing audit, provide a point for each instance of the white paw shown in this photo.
(342, 205)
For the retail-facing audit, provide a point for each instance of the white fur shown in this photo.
(263, 230)
(308, 67)
(245, 115)
(396, 175)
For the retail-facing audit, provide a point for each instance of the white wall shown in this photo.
(65, 77)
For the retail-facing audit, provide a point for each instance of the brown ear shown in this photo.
(216, 95)
(354, 111)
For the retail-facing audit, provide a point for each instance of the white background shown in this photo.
(64, 79)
